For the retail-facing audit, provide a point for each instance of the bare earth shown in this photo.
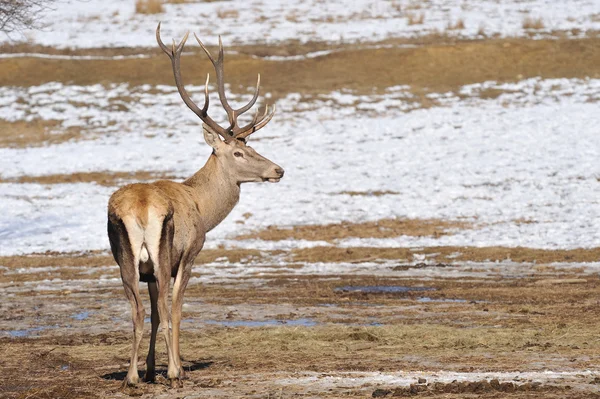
(291, 331)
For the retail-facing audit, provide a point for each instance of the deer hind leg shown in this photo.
(162, 273)
(150, 360)
(137, 314)
(121, 246)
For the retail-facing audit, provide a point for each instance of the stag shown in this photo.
(156, 230)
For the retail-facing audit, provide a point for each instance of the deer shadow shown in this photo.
(190, 366)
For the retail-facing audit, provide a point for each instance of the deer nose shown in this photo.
(280, 172)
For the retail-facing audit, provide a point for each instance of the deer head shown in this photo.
(240, 160)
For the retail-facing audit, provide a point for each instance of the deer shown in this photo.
(157, 229)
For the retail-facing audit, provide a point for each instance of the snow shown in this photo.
(114, 23)
(256, 272)
(405, 378)
(522, 168)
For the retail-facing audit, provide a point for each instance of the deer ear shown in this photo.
(211, 138)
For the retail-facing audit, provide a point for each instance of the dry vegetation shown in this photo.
(458, 25)
(332, 254)
(502, 324)
(445, 254)
(374, 193)
(385, 228)
(530, 23)
(223, 13)
(149, 6)
(108, 179)
(481, 31)
(21, 134)
(437, 67)
(415, 18)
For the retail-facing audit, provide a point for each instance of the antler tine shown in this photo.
(219, 70)
(249, 125)
(252, 101)
(161, 44)
(206, 100)
(175, 55)
(232, 114)
(205, 49)
(253, 127)
(265, 119)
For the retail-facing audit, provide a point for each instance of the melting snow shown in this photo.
(114, 23)
(522, 167)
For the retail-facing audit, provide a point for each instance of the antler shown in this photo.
(234, 131)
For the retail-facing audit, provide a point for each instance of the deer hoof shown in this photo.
(182, 375)
(149, 377)
(127, 383)
(176, 383)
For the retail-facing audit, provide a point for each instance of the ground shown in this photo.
(293, 329)
(437, 232)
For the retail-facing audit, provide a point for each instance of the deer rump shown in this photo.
(143, 242)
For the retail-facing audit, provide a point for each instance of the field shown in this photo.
(436, 234)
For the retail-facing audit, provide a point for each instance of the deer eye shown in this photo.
(238, 154)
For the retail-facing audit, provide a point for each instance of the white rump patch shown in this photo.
(152, 235)
(136, 237)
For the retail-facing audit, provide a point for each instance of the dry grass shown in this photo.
(108, 179)
(415, 18)
(436, 67)
(414, 5)
(385, 228)
(458, 25)
(374, 193)
(293, 17)
(445, 254)
(490, 93)
(149, 6)
(223, 13)
(511, 324)
(255, 358)
(530, 23)
(481, 31)
(102, 258)
(21, 134)
(330, 254)
(283, 345)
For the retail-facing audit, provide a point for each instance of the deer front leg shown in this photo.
(150, 375)
(181, 281)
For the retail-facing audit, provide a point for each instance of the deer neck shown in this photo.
(216, 192)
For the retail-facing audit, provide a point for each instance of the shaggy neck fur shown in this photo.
(216, 191)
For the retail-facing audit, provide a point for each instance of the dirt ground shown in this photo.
(270, 329)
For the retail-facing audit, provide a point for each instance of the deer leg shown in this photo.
(150, 360)
(163, 314)
(162, 273)
(123, 254)
(181, 281)
(137, 314)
